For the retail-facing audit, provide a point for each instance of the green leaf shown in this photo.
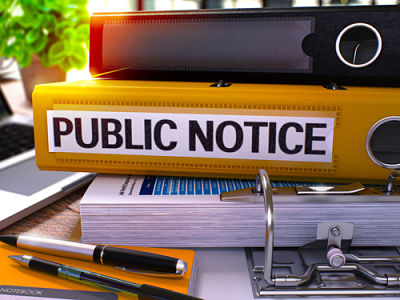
(3, 35)
(56, 53)
(84, 17)
(68, 48)
(72, 6)
(54, 5)
(56, 30)
(65, 66)
(68, 34)
(73, 20)
(10, 50)
(44, 58)
(81, 3)
(79, 58)
(60, 27)
(28, 20)
(19, 35)
(83, 33)
(32, 36)
(25, 60)
(40, 43)
(5, 5)
(49, 21)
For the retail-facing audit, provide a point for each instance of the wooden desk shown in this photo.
(59, 219)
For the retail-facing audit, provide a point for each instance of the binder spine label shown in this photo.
(285, 138)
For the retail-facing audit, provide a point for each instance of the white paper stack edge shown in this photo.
(187, 212)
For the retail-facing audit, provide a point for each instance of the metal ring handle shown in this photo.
(390, 181)
(263, 185)
(377, 52)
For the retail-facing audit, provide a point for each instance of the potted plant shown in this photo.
(47, 34)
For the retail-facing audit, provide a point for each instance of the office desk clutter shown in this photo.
(82, 256)
(156, 122)
(170, 139)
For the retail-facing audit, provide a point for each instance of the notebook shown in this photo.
(23, 187)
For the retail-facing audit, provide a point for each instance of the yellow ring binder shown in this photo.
(149, 127)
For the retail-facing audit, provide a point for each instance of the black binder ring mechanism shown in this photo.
(328, 266)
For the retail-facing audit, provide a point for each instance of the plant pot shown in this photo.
(37, 74)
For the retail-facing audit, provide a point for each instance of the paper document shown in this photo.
(187, 212)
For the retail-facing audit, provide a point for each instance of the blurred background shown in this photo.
(124, 5)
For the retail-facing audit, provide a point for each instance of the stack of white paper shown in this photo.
(187, 212)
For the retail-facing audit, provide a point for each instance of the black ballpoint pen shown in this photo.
(143, 291)
(125, 259)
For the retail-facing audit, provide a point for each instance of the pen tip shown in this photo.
(9, 239)
(14, 256)
(21, 259)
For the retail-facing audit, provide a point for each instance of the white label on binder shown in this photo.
(192, 135)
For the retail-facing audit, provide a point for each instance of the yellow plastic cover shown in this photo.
(192, 128)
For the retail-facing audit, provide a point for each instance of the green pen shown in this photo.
(143, 291)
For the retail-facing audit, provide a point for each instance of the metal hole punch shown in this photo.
(328, 266)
